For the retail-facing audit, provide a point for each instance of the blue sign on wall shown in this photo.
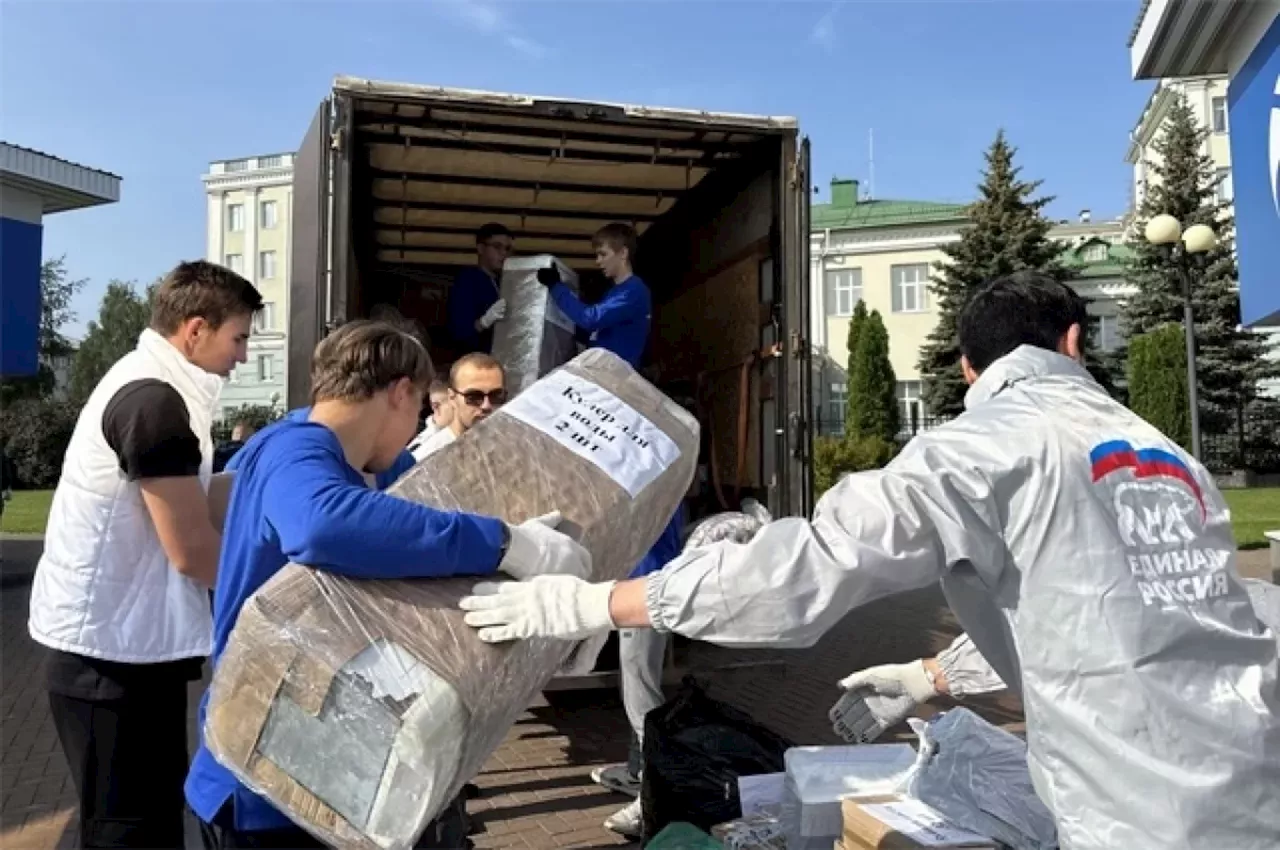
(1253, 102)
(19, 297)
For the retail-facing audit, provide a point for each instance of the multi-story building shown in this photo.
(884, 252)
(249, 206)
(1207, 97)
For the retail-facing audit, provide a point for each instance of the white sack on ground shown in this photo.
(360, 708)
(536, 336)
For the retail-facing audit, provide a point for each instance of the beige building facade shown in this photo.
(249, 203)
(883, 252)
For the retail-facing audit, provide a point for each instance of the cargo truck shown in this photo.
(392, 180)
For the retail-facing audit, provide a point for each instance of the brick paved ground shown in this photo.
(537, 792)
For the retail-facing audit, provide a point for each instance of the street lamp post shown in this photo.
(1165, 230)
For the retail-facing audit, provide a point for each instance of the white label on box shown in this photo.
(923, 824)
(596, 425)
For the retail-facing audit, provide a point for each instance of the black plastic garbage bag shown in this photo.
(695, 748)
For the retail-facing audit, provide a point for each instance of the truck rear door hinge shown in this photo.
(799, 346)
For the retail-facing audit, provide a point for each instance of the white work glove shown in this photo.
(563, 607)
(537, 549)
(494, 314)
(880, 698)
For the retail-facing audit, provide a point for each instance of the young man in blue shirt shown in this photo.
(620, 322)
(475, 304)
(300, 495)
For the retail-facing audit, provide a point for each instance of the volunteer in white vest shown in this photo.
(121, 592)
(477, 387)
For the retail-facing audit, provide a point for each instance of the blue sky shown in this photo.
(153, 91)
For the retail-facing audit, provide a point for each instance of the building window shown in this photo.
(1096, 252)
(910, 406)
(1222, 189)
(838, 401)
(1108, 333)
(265, 319)
(264, 367)
(267, 215)
(235, 262)
(266, 265)
(910, 288)
(844, 291)
(237, 165)
(1219, 110)
(235, 217)
(270, 161)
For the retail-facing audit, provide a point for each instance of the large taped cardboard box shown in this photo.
(898, 822)
(536, 336)
(360, 708)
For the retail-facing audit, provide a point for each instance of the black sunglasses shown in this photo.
(475, 398)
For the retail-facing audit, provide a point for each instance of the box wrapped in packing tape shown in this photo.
(536, 336)
(360, 708)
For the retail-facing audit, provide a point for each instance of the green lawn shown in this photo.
(1253, 512)
(27, 513)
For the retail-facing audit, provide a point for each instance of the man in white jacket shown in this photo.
(1090, 559)
(121, 592)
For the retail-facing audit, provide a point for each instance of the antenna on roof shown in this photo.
(871, 164)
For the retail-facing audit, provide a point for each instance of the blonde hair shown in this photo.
(363, 357)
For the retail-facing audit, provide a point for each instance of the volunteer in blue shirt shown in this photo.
(475, 303)
(300, 495)
(620, 322)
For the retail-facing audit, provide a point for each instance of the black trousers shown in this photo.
(447, 832)
(128, 760)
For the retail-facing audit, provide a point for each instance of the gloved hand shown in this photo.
(536, 549)
(549, 276)
(880, 698)
(563, 607)
(494, 314)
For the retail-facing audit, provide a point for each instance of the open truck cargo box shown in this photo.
(392, 181)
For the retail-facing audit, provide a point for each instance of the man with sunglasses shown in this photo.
(477, 387)
(475, 304)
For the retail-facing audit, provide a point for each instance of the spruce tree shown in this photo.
(1009, 232)
(873, 400)
(1229, 361)
(856, 322)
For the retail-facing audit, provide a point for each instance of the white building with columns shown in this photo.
(248, 230)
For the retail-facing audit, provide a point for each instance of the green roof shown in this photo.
(1112, 266)
(884, 214)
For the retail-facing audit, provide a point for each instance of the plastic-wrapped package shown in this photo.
(760, 831)
(818, 777)
(535, 337)
(976, 774)
(359, 708)
(738, 526)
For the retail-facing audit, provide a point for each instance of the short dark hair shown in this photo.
(617, 236)
(201, 290)
(490, 230)
(365, 356)
(437, 386)
(1024, 308)
(476, 360)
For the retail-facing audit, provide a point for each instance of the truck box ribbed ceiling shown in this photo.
(442, 162)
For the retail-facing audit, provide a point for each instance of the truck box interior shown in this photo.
(427, 167)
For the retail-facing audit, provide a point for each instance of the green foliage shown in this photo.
(873, 399)
(1229, 360)
(122, 317)
(856, 322)
(836, 457)
(35, 433)
(1009, 232)
(57, 290)
(1158, 382)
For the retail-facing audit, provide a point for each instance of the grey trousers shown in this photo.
(640, 656)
